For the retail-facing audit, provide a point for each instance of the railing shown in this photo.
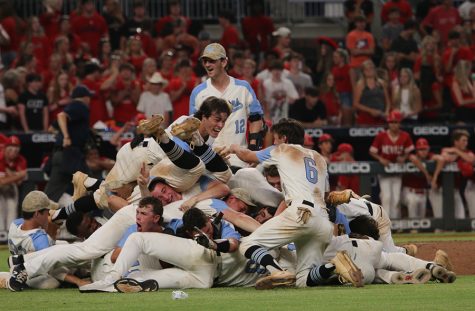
(289, 11)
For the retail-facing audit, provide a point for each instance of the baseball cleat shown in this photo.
(443, 275)
(276, 279)
(418, 276)
(78, 182)
(14, 260)
(127, 285)
(411, 249)
(442, 259)
(339, 197)
(185, 129)
(17, 281)
(98, 287)
(150, 126)
(346, 269)
(4, 276)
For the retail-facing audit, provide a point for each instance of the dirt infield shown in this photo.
(461, 253)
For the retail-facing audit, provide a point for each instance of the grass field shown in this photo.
(434, 296)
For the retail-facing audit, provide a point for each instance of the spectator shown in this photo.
(149, 67)
(428, 74)
(257, 28)
(180, 88)
(464, 158)
(11, 83)
(180, 36)
(115, 20)
(59, 95)
(282, 46)
(237, 63)
(465, 8)
(68, 156)
(354, 8)
(309, 110)
(402, 5)
(11, 28)
(279, 93)
(135, 54)
(463, 92)
(325, 48)
(6, 110)
(269, 58)
(325, 146)
(166, 65)
(36, 35)
(12, 173)
(442, 18)
(33, 106)
(125, 94)
(155, 101)
(248, 71)
(391, 146)
(105, 53)
(230, 36)
(300, 79)
(51, 17)
(341, 73)
(415, 185)
(405, 46)
(370, 97)
(407, 97)
(174, 13)
(453, 54)
(89, 26)
(391, 68)
(391, 29)
(361, 45)
(62, 49)
(329, 97)
(344, 153)
(65, 31)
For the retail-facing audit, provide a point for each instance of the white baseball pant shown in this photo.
(469, 194)
(416, 202)
(435, 197)
(390, 186)
(392, 263)
(8, 205)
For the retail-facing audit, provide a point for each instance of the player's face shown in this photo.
(11, 152)
(326, 147)
(274, 181)
(165, 194)
(263, 216)
(423, 153)
(207, 229)
(394, 125)
(146, 220)
(42, 218)
(461, 143)
(87, 227)
(238, 205)
(214, 123)
(214, 68)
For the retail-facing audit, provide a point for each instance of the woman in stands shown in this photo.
(463, 92)
(407, 97)
(59, 94)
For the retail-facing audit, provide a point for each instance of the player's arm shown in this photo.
(255, 133)
(240, 220)
(466, 156)
(438, 168)
(214, 190)
(282, 207)
(244, 154)
(63, 127)
(115, 254)
(418, 163)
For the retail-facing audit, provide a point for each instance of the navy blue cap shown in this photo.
(81, 91)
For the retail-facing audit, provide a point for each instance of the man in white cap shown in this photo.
(245, 106)
(282, 46)
(154, 100)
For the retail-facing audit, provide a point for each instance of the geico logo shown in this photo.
(401, 168)
(411, 224)
(3, 236)
(314, 132)
(106, 136)
(431, 130)
(365, 131)
(353, 167)
(43, 138)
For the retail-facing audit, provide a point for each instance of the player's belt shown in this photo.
(370, 208)
(145, 143)
(305, 202)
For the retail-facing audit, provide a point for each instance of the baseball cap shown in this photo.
(394, 116)
(282, 32)
(214, 51)
(81, 91)
(328, 41)
(13, 141)
(325, 137)
(422, 143)
(345, 148)
(243, 195)
(157, 78)
(36, 201)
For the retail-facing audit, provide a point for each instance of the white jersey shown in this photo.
(245, 104)
(22, 242)
(303, 172)
(359, 207)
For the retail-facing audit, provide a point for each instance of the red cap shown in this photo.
(345, 148)
(307, 140)
(394, 115)
(327, 40)
(13, 141)
(325, 137)
(422, 143)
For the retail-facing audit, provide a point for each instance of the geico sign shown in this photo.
(411, 224)
(431, 130)
(106, 136)
(350, 167)
(365, 131)
(314, 132)
(401, 168)
(43, 138)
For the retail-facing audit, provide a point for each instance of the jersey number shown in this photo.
(310, 170)
(240, 126)
(253, 267)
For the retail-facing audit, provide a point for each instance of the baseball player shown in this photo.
(391, 146)
(464, 158)
(238, 93)
(305, 222)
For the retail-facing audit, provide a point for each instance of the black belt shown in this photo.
(370, 207)
(304, 202)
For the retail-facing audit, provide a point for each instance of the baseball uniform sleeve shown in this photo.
(408, 145)
(265, 155)
(228, 231)
(40, 240)
(193, 97)
(125, 236)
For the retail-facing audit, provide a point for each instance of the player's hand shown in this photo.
(66, 142)
(202, 239)
(223, 152)
(384, 162)
(188, 204)
(142, 179)
(429, 179)
(433, 184)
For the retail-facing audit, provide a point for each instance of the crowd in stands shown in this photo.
(422, 67)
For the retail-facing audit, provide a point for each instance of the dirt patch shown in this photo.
(461, 253)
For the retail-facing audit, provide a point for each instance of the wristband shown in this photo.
(222, 246)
